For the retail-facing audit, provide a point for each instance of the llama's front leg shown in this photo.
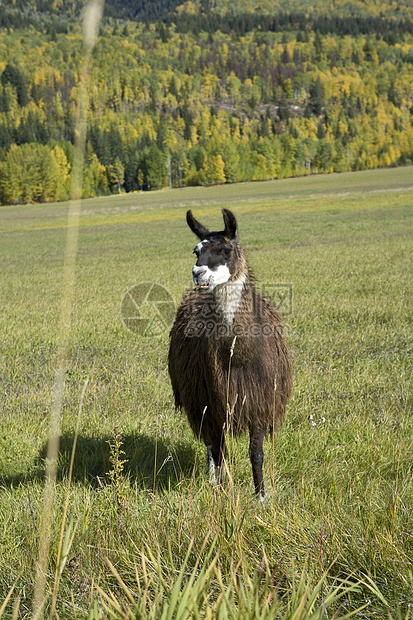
(216, 453)
(256, 454)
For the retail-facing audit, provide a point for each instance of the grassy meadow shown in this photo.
(145, 533)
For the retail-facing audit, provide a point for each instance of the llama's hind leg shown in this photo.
(216, 452)
(256, 454)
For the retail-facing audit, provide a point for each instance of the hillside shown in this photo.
(194, 94)
(45, 12)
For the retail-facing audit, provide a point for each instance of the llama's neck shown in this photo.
(228, 297)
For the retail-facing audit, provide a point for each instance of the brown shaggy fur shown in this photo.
(230, 376)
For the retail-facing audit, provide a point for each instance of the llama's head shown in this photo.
(219, 257)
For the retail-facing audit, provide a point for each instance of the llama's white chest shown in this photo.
(228, 297)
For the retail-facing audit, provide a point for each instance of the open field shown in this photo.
(339, 472)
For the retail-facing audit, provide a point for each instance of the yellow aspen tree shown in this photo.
(61, 189)
(218, 170)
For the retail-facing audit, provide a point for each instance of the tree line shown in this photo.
(288, 21)
(170, 108)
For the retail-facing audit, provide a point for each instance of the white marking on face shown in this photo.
(210, 278)
(220, 275)
(200, 245)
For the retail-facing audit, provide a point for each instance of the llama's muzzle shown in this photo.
(198, 275)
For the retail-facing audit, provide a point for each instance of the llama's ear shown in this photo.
(231, 228)
(199, 229)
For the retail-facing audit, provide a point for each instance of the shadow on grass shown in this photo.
(149, 461)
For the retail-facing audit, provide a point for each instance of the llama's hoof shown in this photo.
(217, 477)
(262, 500)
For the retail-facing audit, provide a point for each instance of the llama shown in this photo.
(228, 359)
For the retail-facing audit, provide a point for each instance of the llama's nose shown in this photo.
(197, 272)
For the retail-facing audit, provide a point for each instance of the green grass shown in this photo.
(152, 536)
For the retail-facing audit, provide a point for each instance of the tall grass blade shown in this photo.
(64, 542)
(91, 24)
(6, 600)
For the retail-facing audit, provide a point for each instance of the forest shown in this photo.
(202, 93)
